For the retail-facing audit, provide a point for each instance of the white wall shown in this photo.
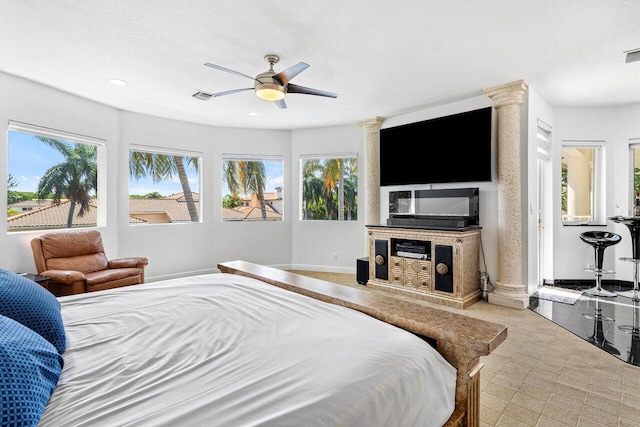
(571, 255)
(315, 242)
(191, 248)
(187, 248)
(626, 130)
(32, 103)
(171, 249)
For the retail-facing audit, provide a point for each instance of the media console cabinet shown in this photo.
(440, 266)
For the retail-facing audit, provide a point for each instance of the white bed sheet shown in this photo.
(227, 350)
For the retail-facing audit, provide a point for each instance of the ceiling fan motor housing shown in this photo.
(266, 82)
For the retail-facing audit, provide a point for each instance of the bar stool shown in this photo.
(600, 240)
(633, 356)
(633, 224)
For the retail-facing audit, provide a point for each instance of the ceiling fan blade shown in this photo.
(291, 88)
(284, 76)
(229, 92)
(281, 103)
(218, 67)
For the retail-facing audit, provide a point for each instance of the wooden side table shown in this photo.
(41, 280)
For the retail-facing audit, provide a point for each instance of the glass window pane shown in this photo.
(329, 188)
(578, 184)
(52, 182)
(163, 188)
(252, 189)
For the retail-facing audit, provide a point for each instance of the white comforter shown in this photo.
(227, 350)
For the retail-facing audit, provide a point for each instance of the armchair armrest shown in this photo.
(64, 276)
(131, 262)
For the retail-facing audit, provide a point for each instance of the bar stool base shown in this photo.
(599, 292)
(633, 294)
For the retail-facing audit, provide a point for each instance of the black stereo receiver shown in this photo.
(412, 248)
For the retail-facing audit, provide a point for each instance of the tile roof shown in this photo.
(253, 213)
(52, 216)
(173, 207)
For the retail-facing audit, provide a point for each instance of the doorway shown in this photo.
(544, 194)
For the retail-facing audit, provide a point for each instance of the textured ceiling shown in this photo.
(383, 58)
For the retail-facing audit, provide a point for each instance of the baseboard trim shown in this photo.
(586, 283)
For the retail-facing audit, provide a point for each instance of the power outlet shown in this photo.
(335, 257)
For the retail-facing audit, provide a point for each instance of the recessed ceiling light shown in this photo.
(253, 114)
(117, 82)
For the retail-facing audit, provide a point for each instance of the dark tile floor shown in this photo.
(610, 323)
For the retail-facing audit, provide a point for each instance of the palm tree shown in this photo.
(161, 167)
(75, 179)
(12, 182)
(351, 186)
(311, 185)
(248, 178)
(333, 181)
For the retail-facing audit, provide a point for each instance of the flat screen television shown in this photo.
(455, 148)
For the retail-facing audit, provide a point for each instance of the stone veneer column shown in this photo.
(372, 162)
(510, 289)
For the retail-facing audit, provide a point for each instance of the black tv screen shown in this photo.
(455, 148)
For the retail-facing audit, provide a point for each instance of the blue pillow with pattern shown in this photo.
(29, 373)
(27, 302)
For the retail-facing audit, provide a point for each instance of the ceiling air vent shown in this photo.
(633, 55)
(202, 96)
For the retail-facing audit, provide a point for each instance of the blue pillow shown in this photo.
(29, 373)
(27, 302)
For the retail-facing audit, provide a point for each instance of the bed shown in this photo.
(228, 349)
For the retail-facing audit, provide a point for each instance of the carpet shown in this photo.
(550, 293)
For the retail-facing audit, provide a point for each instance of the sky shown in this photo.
(29, 158)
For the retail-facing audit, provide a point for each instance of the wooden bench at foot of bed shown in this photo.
(459, 338)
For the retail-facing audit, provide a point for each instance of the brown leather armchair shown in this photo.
(76, 263)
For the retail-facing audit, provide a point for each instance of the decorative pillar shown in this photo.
(371, 129)
(510, 289)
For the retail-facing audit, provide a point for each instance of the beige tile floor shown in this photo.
(543, 375)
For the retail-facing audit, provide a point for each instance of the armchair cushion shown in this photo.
(64, 276)
(131, 262)
(26, 302)
(112, 274)
(83, 263)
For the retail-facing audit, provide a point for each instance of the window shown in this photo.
(164, 186)
(252, 188)
(581, 184)
(329, 187)
(54, 179)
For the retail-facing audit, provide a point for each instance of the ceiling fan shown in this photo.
(272, 86)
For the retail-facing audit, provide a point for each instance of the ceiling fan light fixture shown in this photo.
(270, 92)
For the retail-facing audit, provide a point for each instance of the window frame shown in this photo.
(253, 158)
(325, 156)
(101, 161)
(634, 144)
(598, 181)
(169, 152)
